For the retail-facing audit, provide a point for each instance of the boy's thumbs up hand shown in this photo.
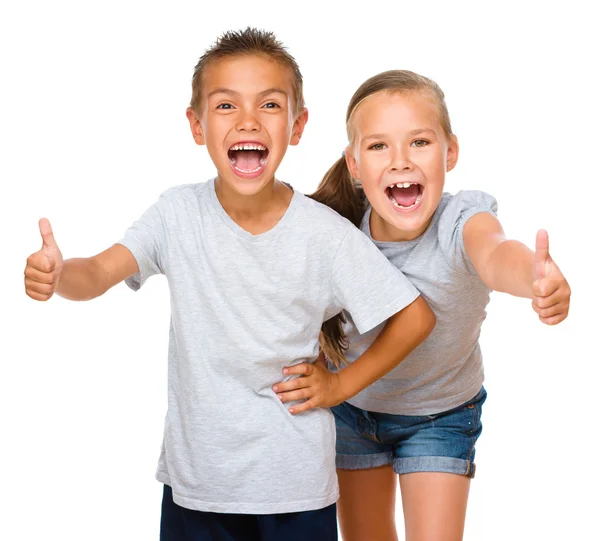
(44, 267)
(551, 292)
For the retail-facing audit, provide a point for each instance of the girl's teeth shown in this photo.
(417, 201)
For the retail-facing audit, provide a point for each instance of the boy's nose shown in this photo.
(247, 122)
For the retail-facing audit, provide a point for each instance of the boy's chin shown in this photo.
(246, 186)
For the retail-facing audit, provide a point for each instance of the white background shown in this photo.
(93, 129)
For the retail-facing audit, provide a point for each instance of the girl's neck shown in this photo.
(383, 231)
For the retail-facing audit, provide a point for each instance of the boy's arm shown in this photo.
(75, 279)
(509, 266)
(320, 388)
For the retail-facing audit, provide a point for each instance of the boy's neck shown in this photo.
(256, 213)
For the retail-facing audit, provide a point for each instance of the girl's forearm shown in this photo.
(510, 269)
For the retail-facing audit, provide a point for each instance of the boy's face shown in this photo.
(401, 155)
(247, 119)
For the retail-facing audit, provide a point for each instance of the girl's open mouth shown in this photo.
(248, 158)
(405, 195)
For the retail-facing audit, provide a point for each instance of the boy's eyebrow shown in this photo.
(237, 94)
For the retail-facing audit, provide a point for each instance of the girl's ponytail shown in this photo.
(339, 191)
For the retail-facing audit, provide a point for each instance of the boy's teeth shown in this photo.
(403, 185)
(248, 147)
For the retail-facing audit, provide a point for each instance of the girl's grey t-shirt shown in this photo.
(242, 308)
(446, 369)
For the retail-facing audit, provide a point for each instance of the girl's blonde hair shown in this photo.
(342, 193)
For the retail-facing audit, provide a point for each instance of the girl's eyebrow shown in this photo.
(410, 133)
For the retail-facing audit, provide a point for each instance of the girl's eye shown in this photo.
(271, 105)
(225, 106)
(377, 146)
(420, 143)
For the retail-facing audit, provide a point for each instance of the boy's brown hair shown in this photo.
(250, 41)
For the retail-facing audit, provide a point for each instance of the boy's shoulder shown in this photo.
(185, 191)
(321, 215)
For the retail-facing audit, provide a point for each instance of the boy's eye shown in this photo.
(377, 146)
(420, 143)
(225, 106)
(271, 105)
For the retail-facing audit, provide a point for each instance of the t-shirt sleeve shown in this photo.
(146, 240)
(366, 284)
(461, 207)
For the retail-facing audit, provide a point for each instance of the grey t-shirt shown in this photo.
(242, 308)
(446, 369)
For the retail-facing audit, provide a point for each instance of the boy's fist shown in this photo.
(43, 268)
(551, 292)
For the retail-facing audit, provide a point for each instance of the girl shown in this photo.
(422, 419)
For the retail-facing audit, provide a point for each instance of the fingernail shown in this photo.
(291, 410)
(275, 388)
(280, 397)
(285, 370)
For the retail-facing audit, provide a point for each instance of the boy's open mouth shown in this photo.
(405, 195)
(248, 158)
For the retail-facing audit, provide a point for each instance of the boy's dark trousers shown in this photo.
(180, 524)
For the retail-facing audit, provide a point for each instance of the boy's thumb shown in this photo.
(47, 234)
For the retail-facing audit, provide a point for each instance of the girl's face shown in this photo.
(400, 154)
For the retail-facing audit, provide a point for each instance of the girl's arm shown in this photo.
(320, 388)
(509, 266)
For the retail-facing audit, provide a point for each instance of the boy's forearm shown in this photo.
(81, 279)
(402, 333)
(510, 269)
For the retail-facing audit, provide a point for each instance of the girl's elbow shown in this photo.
(425, 317)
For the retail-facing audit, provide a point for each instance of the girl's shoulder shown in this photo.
(452, 214)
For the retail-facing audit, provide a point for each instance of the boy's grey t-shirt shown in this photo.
(242, 308)
(446, 369)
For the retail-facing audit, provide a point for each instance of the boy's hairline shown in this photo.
(213, 61)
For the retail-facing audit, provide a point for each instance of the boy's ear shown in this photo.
(351, 163)
(298, 127)
(195, 126)
(452, 155)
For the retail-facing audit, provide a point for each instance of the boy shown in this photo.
(254, 269)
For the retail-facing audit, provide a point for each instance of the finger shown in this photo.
(554, 310)
(41, 262)
(39, 276)
(47, 234)
(554, 320)
(292, 385)
(37, 296)
(553, 295)
(302, 394)
(305, 406)
(542, 254)
(302, 369)
(42, 289)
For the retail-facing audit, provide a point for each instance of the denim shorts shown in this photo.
(443, 442)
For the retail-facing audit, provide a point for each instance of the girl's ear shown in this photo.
(195, 126)
(452, 154)
(351, 163)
